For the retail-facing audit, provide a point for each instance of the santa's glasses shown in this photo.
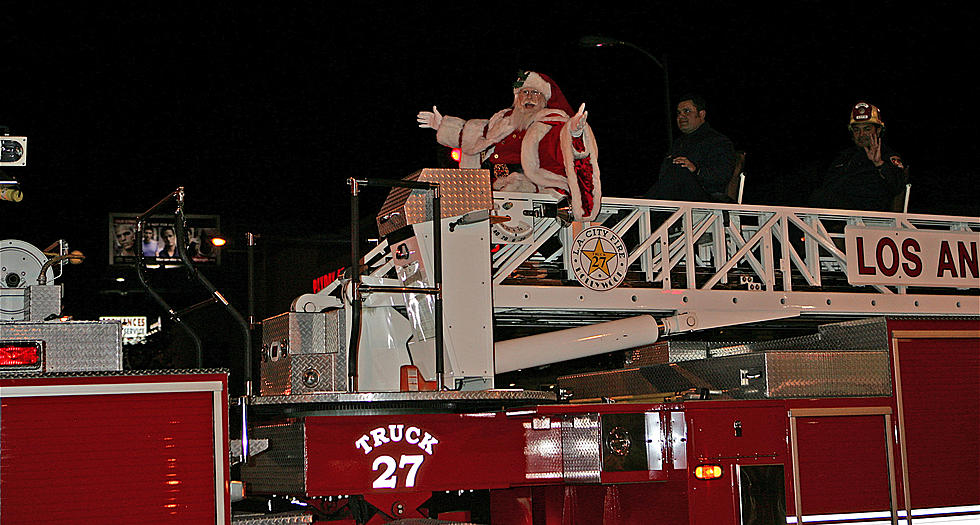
(530, 92)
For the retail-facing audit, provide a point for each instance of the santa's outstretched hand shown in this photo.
(431, 119)
(576, 124)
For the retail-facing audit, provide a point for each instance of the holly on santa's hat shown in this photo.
(547, 87)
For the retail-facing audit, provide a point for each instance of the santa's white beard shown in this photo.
(524, 117)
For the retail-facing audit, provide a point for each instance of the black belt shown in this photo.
(501, 170)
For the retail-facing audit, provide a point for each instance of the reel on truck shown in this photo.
(21, 265)
(27, 274)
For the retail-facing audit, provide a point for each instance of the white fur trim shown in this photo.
(448, 132)
(531, 159)
(467, 135)
(515, 182)
(574, 192)
(500, 125)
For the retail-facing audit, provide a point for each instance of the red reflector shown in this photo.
(20, 354)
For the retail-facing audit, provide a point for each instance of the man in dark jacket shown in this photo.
(866, 176)
(701, 160)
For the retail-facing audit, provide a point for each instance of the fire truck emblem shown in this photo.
(599, 258)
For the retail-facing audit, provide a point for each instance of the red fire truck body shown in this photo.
(114, 448)
(822, 460)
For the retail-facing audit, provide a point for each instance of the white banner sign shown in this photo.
(133, 326)
(912, 257)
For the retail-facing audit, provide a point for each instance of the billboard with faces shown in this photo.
(158, 242)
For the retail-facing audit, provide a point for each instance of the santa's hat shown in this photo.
(543, 83)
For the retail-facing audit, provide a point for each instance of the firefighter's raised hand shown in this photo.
(430, 119)
(874, 150)
(576, 124)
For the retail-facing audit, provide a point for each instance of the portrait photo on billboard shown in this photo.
(158, 242)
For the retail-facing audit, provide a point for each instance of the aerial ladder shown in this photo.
(517, 263)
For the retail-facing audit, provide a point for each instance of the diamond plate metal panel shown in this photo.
(303, 353)
(860, 334)
(779, 374)
(42, 302)
(580, 444)
(275, 367)
(71, 346)
(460, 191)
(123, 373)
(827, 374)
(841, 360)
(670, 351)
(318, 373)
(456, 397)
(667, 352)
(542, 448)
(611, 383)
(282, 468)
(281, 518)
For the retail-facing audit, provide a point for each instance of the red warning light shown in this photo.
(456, 154)
(20, 354)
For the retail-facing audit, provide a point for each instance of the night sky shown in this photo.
(263, 111)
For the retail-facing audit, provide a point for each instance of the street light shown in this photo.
(602, 41)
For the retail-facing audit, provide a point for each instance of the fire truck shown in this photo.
(723, 364)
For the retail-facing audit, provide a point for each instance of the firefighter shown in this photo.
(866, 176)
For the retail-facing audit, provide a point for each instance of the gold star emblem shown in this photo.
(599, 258)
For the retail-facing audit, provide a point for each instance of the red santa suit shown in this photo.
(544, 158)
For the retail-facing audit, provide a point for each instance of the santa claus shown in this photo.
(532, 146)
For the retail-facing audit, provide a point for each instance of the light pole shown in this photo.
(602, 41)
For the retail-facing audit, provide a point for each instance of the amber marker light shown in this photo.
(708, 471)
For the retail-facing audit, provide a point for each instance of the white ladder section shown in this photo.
(689, 267)
(709, 265)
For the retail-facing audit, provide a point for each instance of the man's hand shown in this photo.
(684, 161)
(576, 124)
(430, 119)
(874, 150)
